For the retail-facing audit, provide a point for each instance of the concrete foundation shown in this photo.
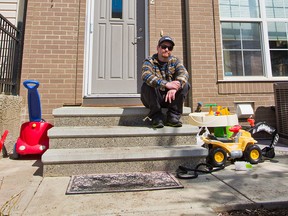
(10, 119)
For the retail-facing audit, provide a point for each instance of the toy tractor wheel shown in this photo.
(253, 154)
(217, 157)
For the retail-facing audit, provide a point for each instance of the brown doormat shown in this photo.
(122, 182)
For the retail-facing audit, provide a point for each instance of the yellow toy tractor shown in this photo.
(240, 145)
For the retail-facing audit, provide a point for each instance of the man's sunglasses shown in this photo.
(170, 48)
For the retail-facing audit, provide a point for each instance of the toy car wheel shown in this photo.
(4, 152)
(15, 155)
(217, 157)
(253, 154)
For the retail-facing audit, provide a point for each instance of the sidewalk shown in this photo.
(266, 183)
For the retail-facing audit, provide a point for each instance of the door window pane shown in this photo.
(117, 9)
(239, 8)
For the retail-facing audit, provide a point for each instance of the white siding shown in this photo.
(9, 9)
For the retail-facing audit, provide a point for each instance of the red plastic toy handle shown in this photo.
(3, 137)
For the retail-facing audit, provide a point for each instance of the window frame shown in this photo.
(266, 58)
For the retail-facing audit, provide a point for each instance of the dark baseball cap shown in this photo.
(166, 38)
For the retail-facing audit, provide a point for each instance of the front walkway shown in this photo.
(266, 183)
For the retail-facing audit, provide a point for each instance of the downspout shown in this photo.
(147, 39)
(187, 49)
(21, 24)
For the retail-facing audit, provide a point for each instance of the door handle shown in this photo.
(137, 38)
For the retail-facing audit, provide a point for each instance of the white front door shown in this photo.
(114, 43)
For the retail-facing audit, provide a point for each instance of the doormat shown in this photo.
(122, 182)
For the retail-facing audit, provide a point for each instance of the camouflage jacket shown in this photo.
(157, 75)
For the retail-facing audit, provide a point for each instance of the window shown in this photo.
(242, 49)
(117, 9)
(254, 38)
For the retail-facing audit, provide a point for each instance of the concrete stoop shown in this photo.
(106, 116)
(116, 140)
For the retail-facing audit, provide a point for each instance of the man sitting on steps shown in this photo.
(165, 85)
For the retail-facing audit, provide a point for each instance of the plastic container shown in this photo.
(242, 166)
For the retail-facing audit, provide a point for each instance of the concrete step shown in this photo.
(67, 162)
(106, 116)
(86, 140)
(116, 136)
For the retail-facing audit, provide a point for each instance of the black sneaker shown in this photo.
(157, 122)
(173, 122)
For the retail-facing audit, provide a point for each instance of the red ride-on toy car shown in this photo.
(33, 137)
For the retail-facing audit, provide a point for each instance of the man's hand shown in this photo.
(170, 96)
(173, 85)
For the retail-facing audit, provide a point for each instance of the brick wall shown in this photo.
(166, 17)
(53, 52)
(54, 49)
